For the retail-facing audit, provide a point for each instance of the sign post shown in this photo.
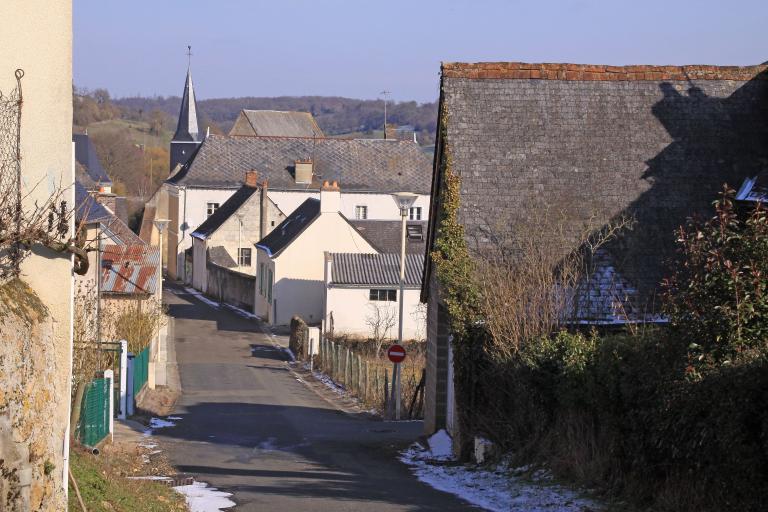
(396, 354)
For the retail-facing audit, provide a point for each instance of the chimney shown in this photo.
(252, 179)
(303, 171)
(330, 198)
(264, 209)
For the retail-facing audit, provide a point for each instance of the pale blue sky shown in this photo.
(357, 48)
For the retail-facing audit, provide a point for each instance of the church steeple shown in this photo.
(187, 136)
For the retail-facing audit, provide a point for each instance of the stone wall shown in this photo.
(231, 287)
(31, 434)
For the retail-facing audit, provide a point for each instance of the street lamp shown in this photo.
(161, 224)
(404, 201)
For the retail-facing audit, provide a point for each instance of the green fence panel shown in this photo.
(94, 414)
(140, 370)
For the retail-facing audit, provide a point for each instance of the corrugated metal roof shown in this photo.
(130, 269)
(375, 269)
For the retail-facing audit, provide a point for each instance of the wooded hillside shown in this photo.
(335, 115)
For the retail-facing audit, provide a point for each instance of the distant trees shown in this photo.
(334, 115)
(92, 106)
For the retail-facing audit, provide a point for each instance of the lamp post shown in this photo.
(404, 201)
(161, 224)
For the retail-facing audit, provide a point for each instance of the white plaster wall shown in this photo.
(36, 36)
(380, 206)
(199, 271)
(351, 307)
(299, 270)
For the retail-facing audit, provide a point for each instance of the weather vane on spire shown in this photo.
(189, 55)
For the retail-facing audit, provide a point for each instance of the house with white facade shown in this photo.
(361, 295)
(227, 237)
(290, 274)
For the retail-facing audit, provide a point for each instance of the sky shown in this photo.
(358, 48)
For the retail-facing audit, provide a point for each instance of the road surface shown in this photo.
(251, 428)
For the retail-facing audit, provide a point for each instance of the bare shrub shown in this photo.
(382, 320)
(531, 275)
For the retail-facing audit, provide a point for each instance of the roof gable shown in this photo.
(290, 228)
(224, 212)
(275, 123)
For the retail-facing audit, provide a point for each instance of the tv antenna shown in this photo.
(385, 94)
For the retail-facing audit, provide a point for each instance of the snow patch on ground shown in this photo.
(158, 423)
(440, 445)
(202, 498)
(240, 312)
(290, 353)
(202, 298)
(492, 488)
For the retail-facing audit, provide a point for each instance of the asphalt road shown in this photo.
(251, 428)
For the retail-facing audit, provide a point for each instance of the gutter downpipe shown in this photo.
(183, 227)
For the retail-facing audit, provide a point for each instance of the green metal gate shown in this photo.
(140, 370)
(94, 415)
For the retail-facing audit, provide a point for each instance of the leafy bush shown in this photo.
(717, 297)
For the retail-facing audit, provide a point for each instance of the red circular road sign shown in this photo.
(396, 353)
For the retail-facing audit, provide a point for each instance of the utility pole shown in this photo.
(385, 94)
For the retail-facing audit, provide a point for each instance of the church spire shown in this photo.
(187, 137)
(187, 130)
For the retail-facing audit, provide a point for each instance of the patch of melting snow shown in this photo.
(493, 488)
(202, 498)
(240, 312)
(268, 445)
(158, 423)
(202, 298)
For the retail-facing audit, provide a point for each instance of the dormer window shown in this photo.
(415, 232)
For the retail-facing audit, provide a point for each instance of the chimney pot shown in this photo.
(252, 178)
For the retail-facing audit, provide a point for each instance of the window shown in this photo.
(415, 232)
(244, 257)
(388, 295)
(414, 213)
(211, 208)
(269, 285)
(261, 279)
(361, 212)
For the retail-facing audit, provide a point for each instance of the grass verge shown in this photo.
(105, 488)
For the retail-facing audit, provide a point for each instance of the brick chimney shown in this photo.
(252, 178)
(330, 197)
(303, 171)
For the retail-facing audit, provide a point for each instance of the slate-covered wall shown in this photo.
(594, 145)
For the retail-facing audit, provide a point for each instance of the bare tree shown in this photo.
(381, 321)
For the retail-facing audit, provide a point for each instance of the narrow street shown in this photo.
(251, 428)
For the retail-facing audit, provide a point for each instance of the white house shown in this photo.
(227, 237)
(290, 274)
(361, 295)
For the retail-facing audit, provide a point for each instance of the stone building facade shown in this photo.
(36, 309)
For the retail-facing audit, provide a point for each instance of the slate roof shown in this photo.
(754, 189)
(367, 270)
(90, 170)
(130, 269)
(594, 143)
(187, 128)
(384, 235)
(359, 165)
(293, 225)
(275, 123)
(225, 211)
(89, 211)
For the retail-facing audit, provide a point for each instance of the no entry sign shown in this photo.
(396, 353)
